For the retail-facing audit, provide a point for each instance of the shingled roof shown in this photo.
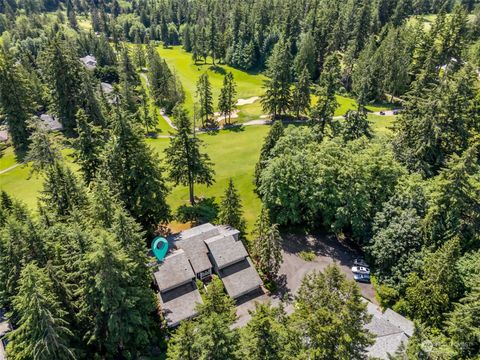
(174, 271)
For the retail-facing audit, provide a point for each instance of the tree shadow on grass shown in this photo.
(217, 69)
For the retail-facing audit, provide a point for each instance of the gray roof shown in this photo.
(3, 135)
(240, 278)
(51, 122)
(391, 330)
(180, 303)
(89, 61)
(106, 87)
(174, 271)
(226, 250)
(193, 242)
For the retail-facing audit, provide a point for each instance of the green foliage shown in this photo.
(277, 97)
(301, 94)
(115, 327)
(430, 293)
(133, 171)
(356, 125)
(275, 133)
(267, 246)
(265, 335)
(202, 211)
(231, 212)
(42, 333)
(216, 301)
(307, 255)
(226, 100)
(187, 165)
(16, 101)
(204, 96)
(329, 317)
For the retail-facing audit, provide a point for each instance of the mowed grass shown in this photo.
(7, 158)
(180, 62)
(234, 154)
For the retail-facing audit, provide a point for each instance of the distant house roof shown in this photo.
(240, 278)
(193, 242)
(174, 271)
(89, 61)
(225, 249)
(3, 135)
(391, 330)
(50, 122)
(180, 303)
(106, 88)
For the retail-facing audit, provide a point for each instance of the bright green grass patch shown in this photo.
(181, 63)
(234, 154)
(7, 158)
(249, 112)
(381, 124)
(162, 126)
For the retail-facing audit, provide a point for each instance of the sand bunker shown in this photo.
(251, 100)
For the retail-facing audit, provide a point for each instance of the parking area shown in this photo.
(327, 250)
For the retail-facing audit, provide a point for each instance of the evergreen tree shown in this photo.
(181, 345)
(204, 95)
(16, 102)
(63, 75)
(187, 165)
(275, 133)
(356, 125)
(267, 246)
(340, 316)
(231, 212)
(113, 301)
(277, 97)
(216, 301)
(301, 94)
(265, 335)
(133, 171)
(42, 333)
(366, 80)
(88, 147)
(226, 100)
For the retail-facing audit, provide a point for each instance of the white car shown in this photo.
(360, 270)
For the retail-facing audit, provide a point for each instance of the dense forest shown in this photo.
(73, 270)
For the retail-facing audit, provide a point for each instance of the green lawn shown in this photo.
(381, 124)
(234, 154)
(181, 63)
(7, 158)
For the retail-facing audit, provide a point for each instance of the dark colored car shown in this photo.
(364, 278)
(382, 112)
(396, 112)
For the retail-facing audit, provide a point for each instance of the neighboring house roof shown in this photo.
(174, 271)
(226, 250)
(106, 88)
(240, 278)
(89, 61)
(51, 122)
(180, 303)
(3, 135)
(391, 330)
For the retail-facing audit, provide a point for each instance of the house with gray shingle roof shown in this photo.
(200, 251)
(390, 329)
(178, 292)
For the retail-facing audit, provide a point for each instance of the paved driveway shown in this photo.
(327, 250)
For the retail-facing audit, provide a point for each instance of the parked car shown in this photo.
(396, 112)
(360, 270)
(365, 278)
(360, 262)
(382, 112)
